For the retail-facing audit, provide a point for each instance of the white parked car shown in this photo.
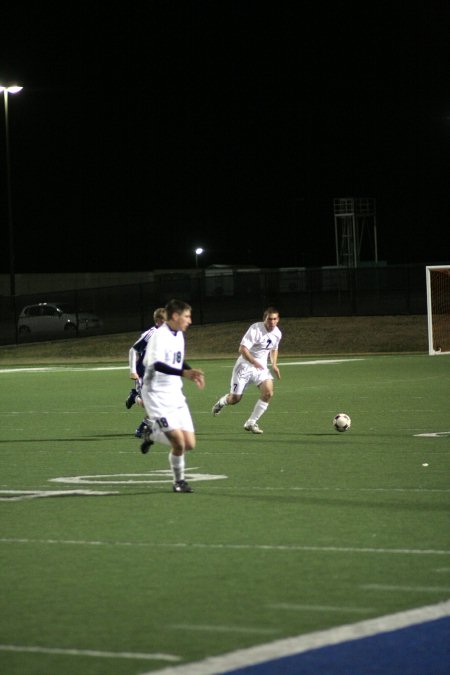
(47, 317)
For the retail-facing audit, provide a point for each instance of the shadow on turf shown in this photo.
(69, 439)
(166, 489)
(200, 489)
(322, 501)
(268, 439)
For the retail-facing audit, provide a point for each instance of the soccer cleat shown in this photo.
(131, 400)
(253, 427)
(147, 442)
(144, 426)
(182, 486)
(141, 429)
(217, 407)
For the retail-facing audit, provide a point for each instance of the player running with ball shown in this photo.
(260, 341)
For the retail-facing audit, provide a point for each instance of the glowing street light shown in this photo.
(198, 251)
(14, 89)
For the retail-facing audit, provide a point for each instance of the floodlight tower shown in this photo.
(352, 219)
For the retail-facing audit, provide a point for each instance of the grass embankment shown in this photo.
(301, 337)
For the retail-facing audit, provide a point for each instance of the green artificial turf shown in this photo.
(297, 530)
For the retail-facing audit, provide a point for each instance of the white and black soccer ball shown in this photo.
(342, 422)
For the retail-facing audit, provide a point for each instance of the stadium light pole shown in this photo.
(198, 251)
(13, 89)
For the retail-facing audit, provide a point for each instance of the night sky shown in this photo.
(144, 132)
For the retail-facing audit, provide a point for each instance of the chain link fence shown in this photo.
(216, 295)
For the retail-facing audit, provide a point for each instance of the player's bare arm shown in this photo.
(195, 375)
(273, 360)
(249, 357)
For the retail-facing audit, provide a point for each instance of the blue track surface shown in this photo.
(417, 650)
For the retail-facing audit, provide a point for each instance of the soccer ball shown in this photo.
(342, 422)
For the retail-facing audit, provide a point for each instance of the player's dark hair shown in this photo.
(176, 306)
(270, 310)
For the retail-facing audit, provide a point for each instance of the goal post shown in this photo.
(438, 308)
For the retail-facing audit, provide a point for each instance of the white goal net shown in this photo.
(438, 308)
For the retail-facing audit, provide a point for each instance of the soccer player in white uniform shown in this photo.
(136, 362)
(260, 341)
(162, 391)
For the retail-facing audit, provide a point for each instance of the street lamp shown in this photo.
(198, 251)
(14, 89)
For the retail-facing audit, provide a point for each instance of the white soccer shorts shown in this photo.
(167, 417)
(245, 374)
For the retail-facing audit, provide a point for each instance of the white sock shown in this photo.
(177, 465)
(223, 400)
(259, 409)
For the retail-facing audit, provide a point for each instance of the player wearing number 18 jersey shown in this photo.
(162, 391)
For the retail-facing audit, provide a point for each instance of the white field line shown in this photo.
(303, 643)
(406, 589)
(317, 362)
(211, 628)
(320, 608)
(66, 369)
(59, 369)
(88, 652)
(20, 495)
(155, 476)
(229, 547)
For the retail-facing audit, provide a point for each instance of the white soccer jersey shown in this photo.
(168, 347)
(260, 342)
